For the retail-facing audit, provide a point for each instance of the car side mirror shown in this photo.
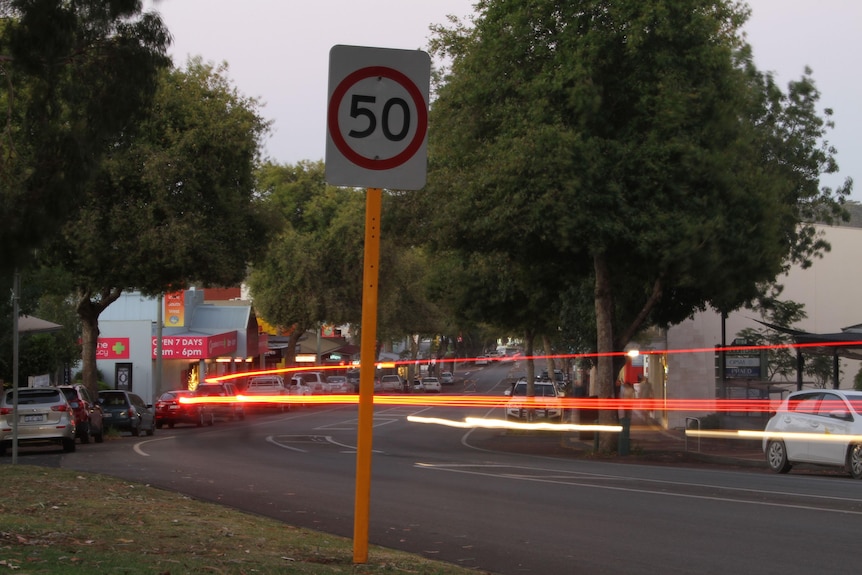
(840, 414)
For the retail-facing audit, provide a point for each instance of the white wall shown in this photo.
(829, 290)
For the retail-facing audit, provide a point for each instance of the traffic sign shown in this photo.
(377, 117)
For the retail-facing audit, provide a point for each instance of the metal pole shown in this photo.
(16, 289)
(367, 357)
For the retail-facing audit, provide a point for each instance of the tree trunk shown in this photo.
(604, 347)
(546, 343)
(89, 310)
(531, 367)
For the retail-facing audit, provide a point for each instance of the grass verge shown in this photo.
(58, 522)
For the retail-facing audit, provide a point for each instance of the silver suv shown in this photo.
(44, 416)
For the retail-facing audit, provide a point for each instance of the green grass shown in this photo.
(56, 521)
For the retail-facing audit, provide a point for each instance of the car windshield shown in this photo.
(540, 390)
(34, 395)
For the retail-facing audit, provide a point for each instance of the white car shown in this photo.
(446, 378)
(431, 384)
(391, 383)
(520, 406)
(44, 416)
(339, 384)
(821, 426)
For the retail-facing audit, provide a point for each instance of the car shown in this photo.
(88, 413)
(298, 387)
(431, 384)
(391, 382)
(353, 378)
(339, 384)
(518, 407)
(481, 360)
(821, 426)
(227, 408)
(44, 416)
(125, 411)
(315, 380)
(170, 410)
(267, 385)
(446, 378)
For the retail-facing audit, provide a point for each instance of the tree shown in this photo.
(310, 271)
(76, 75)
(173, 203)
(781, 362)
(632, 145)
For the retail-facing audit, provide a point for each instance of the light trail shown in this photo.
(491, 401)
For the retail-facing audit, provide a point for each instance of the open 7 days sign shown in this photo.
(377, 117)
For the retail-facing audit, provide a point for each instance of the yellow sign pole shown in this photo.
(367, 357)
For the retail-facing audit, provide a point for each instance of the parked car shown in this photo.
(44, 416)
(299, 387)
(391, 383)
(519, 406)
(170, 410)
(315, 380)
(446, 378)
(227, 408)
(431, 384)
(88, 413)
(821, 426)
(125, 411)
(267, 385)
(338, 384)
(353, 378)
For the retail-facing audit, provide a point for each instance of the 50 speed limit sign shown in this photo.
(377, 117)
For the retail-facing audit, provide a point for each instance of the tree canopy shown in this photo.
(172, 205)
(77, 75)
(630, 146)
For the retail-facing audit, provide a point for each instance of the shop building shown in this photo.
(196, 338)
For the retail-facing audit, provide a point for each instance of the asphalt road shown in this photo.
(438, 491)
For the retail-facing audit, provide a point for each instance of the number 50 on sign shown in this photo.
(377, 117)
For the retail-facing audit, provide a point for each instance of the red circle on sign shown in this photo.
(335, 129)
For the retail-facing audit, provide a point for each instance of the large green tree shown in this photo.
(173, 204)
(310, 272)
(631, 145)
(75, 76)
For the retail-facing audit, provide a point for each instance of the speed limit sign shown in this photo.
(377, 117)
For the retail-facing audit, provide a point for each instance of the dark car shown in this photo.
(226, 409)
(88, 413)
(170, 410)
(125, 411)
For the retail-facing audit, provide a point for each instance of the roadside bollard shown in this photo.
(625, 435)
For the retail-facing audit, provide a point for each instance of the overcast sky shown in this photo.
(278, 51)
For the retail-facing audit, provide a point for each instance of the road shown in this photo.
(438, 492)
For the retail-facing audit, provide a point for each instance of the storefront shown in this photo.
(197, 339)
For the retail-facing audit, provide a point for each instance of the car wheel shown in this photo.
(136, 431)
(241, 415)
(159, 424)
(69, 445)
(84, 432)
(776, 457)
(99, 436)
(200, 420)
(211, 420)
(854, 461)
(171, 425)
(152, 429)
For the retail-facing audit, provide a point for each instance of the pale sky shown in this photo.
(278, 51)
